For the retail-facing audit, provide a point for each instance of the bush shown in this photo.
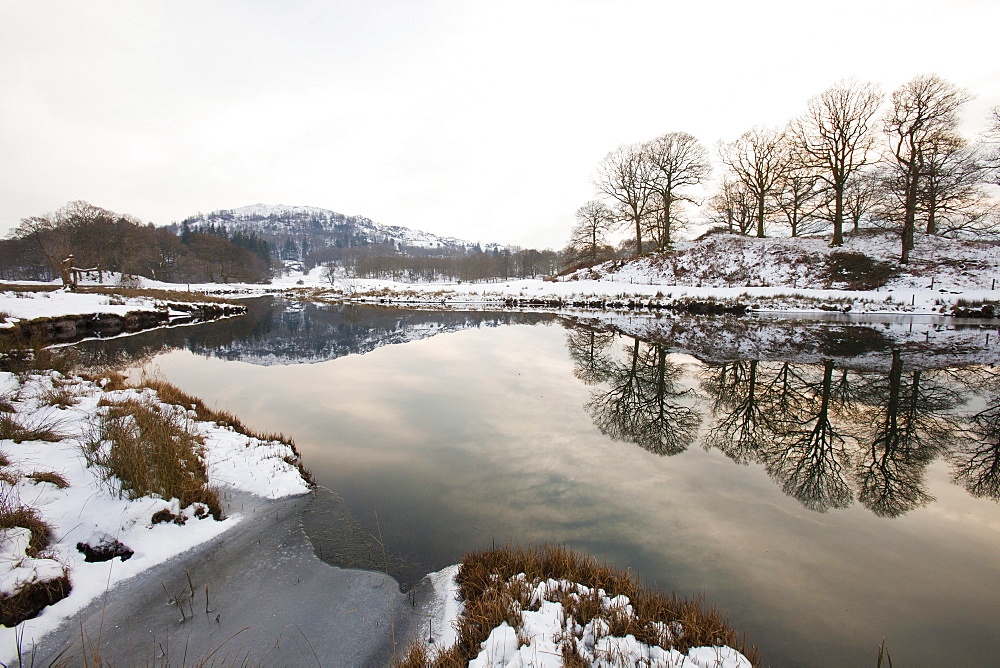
(858, 271)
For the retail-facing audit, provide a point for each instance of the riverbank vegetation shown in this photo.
(92, 462)
(555, 602)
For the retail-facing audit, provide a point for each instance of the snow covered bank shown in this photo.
(532, 620)
(45, 469)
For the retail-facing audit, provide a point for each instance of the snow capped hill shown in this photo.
(323, 227)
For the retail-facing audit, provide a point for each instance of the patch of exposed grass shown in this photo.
(19, 430)
(50, 477)
(150, 293)
(148, 449)
(172, 394)
(494, 592)
(14, 515)
(18, 287)
(61, 397)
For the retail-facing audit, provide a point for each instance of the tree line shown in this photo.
(852, 159)
(100, 241)
(474, 267)
(90, 239)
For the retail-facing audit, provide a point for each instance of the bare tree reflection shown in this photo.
(976, 464)
(588, 349)
(827, 433)
(911, 425)
(809, 455)
(643, 402)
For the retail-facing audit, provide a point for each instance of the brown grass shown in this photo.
(172, 394)
(148, 449)
(50, 477)
(151, 293)
(493, 594)
(13, 515)
(17, 287)
(61, 397)
(19, 430)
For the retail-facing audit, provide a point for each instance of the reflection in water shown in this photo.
(493, 434)
(826, 434)
(642, 403)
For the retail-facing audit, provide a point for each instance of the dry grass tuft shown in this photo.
(50, 477)
(149, 449)
(13, 516)
(18, 431)
(494, 592)
(61, 397)
(172, 394)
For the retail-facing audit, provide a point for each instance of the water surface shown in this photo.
(829, 483)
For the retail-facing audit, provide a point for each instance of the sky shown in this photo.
(480, 120)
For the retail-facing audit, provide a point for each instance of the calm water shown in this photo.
(829, 484)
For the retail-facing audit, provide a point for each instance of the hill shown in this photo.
(866, 261)
(296, 232)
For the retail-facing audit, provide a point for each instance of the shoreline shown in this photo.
(269, 598)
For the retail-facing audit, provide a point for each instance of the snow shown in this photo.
(31, 305)
(543, 631)
(88, 508)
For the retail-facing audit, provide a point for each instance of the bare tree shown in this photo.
(836, 136)
(624, 177)
(758, 160)
(732, 206)
(864, 193)
(678, 161)
(924, 113)
(800, 194)
(950, 194)
(587, 243)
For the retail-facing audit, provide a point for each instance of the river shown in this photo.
(829, 482)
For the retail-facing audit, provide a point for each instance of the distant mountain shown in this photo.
(305, 228)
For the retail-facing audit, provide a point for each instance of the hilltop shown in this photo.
(318, 228)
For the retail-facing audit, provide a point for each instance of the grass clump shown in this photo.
(148, 449)
(50, 477)
(18, 431)
(497, 585)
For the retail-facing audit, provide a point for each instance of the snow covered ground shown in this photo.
(547, 629)
(82, 508)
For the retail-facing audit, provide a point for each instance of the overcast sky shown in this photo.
(481, 120)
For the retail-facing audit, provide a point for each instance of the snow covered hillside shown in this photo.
(322, 227)
(736, 261)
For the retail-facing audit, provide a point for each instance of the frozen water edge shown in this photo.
(270, 600)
